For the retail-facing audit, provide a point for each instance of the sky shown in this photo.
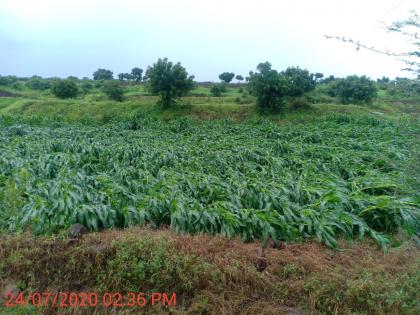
(59, 38)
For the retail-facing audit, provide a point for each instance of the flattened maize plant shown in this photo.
(334, 176)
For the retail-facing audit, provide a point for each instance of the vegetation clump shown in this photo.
(356, 90)
(227, 77)
(103, 74)
(337, 175)
(65, 89)
(218, 89)
(114, 91)
(169, 81)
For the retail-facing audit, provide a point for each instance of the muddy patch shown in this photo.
(7, 94)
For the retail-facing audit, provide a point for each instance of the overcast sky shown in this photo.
(75, 37)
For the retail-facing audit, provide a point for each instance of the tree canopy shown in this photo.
(103, 74)
(226, 76)
(169, 81)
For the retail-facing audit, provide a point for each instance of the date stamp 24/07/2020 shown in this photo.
(88, 299)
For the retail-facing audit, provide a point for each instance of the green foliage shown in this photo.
(103, 74)
(356, 90)
(318, 76)
(403, 87)
(7, 80)
(113, 90)
(244, 98)
(366, 291)
(141, 265)
(37, 83)
(218, 89)
(124, 76)
(269, 87)
(64, 89)
(300, 81)
(227, 76)
(169, 81)
(336, 175)
(86, 87)
(300, 103)
(239, 78)
(137, 74)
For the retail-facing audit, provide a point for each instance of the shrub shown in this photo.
(218, 89)
(404, 87)
(86, 86)
(244, 98)
(64, 89)
(7, 80)
(38, 84)
(301, 81)
(114, 90)
(358, 90)
(300, 103)
(269, 87)
(169, 81)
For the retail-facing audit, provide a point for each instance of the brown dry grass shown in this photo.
(299, 276)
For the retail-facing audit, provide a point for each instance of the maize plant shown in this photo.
(333, 176)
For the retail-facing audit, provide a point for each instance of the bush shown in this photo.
(244, 98)
(357, 90)
(38, 84)
(64, 89)
(301, 81)
(7, 80)
(269, 87)
(404, 87)
(168, 81)
(86, 87)
(300, 103)
(114, 90)
(218, 89)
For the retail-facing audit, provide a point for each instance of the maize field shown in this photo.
(335, 176)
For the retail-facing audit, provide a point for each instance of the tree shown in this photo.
(114, 90)
(239, 78)
(269, 87)
(169, 81)
(357, 90)
(64, 89)
(217, 89)
(124, 76)
(103, 74)
(227, 76)
(301, 81)
(318, 76)
(137, 74)
(328, 79)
